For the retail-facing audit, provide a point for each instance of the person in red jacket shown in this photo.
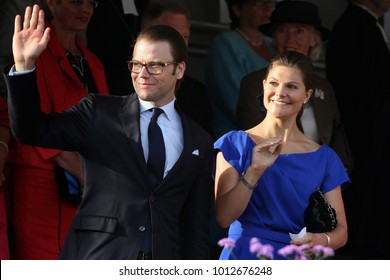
(43, 206)
(4, 150)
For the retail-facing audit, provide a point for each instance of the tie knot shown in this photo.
(156, 113)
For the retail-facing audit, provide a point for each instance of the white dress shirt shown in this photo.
(170, 124)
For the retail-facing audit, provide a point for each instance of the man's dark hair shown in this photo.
(158, 33)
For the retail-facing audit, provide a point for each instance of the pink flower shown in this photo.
(304, 252)
(320, 252)
(254, 245)
(262, 251)
(293, 252)
(227, 243)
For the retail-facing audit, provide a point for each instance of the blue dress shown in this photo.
(277, 205)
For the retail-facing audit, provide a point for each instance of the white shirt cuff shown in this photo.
(12, 71)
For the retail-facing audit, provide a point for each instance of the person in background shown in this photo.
(5, 136)
(266, 175)
(358, 66)
(66, 71)
(110, 35)
(296, 25)
(233, 54)
(192, 95)
(124, 214)
(8, 11)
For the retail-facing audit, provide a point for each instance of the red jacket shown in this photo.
(4, 250)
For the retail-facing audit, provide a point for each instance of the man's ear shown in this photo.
(180, 69)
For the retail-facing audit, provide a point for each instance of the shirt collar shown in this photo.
(169, 109)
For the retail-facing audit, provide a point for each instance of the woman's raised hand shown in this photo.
(266, 152)
(29, 40)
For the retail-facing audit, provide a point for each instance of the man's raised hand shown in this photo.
(31, 40)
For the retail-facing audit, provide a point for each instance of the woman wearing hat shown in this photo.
(296, 25)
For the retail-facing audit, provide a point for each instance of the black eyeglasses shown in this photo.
(153, 68)
(261, 3)
(94, 3)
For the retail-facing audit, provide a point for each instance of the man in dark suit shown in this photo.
(122, 214)
(114, 49)
(358, 66)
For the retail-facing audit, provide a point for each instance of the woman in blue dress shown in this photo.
(265, 175)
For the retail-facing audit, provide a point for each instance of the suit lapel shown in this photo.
(129, 114)
(189, 142)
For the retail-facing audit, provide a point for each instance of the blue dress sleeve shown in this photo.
(236, 147)
(335, 173)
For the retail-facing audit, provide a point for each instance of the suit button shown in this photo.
(141, 228)
(151, 198)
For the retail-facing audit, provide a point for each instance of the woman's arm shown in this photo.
(231, 194)
(233, 190)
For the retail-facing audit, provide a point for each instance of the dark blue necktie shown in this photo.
(156, 158)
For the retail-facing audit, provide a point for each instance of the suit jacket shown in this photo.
(251, 111)
(118, 202)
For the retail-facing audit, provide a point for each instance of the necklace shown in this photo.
(252, 42)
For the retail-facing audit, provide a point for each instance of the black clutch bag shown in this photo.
(319, 215)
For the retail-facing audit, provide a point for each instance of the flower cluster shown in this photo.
(304, 252)
(229, 244)
(292, 252)
(262, 251)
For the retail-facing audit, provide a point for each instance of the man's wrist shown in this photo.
(14, 72)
